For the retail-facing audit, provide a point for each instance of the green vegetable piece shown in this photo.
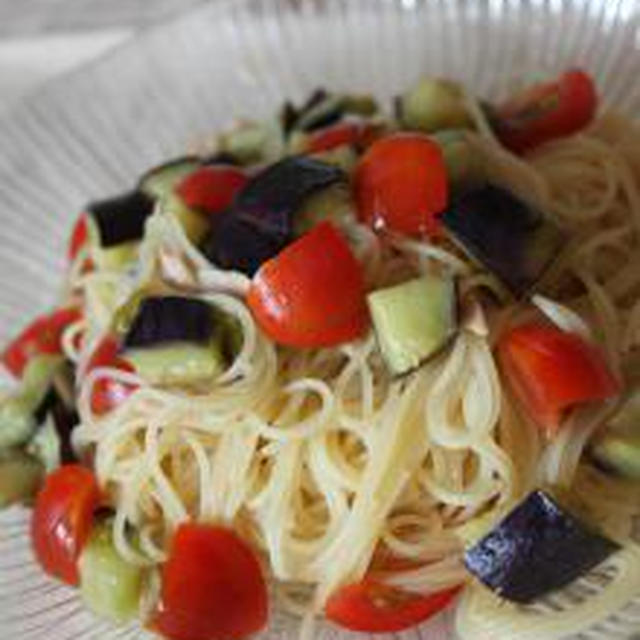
(45, 445)
(110, 586)
(361, 104)
(333, 203)
(618, 453)
(253, 142)
(37, 377)
(433, 104)
(464, 164)
(17, 422)
(414, 320)
(162, 180)
(344, 157)
(20, 477)
(116, 257)
(177, 364)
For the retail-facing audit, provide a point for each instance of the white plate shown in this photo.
(93, 132)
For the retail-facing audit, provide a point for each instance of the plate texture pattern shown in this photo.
(92, 133)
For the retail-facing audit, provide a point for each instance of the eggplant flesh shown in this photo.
(121, 219)
(512, 239)
(164, 319)
(261, 222)
(538, 548)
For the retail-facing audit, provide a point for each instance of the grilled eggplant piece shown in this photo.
(513, 240)
(20, 477)
(121, 219)
(538, 548)
(260, 223)
(166, 319)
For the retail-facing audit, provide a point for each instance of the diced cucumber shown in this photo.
(619, 453)
(465, 166)
(177, 364)
(433, 104)
(45, 445)
(38, 375)
(361, 104)
(162, 180)
(116, 257)
(17, 422)
(333, 203)
(413, 320)
(20, 477)
(253, 142)
(110, 586)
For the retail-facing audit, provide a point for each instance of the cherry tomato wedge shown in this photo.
(42, 336)
(79, 237)
(376, 608)
(401, 184)
(211, 189)
(312, 293)
(62, 520)
(357, 134)
(551, 370)
(547, 111)
(212, 587)
(107, 393)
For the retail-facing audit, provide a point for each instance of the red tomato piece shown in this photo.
(62, 520)
(42, 336)
(401, 184)
(547, 111)
(551, 370)
(79, 237)
(376, 608)
(312, 293)
(211, 189)
(107, 393)
(212, 587)
(357, 134)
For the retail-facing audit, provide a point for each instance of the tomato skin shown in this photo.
(212, 587)
(107, 394)
(312, 293)
(62, 520)
(370, 606)
(357, 134)
(42, 336)
(547, 111)
(551, 370)
(401, 184)
(79, 237)
(211, 189)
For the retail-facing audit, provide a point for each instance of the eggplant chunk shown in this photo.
(121, 219)
(271, 198)
(261, 222)
(20, 477)
(109, 586)
(17, 421)
(538, 548)
(513, 240)
(165, 319)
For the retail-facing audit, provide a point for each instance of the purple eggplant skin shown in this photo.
(538, 548)
(512, 239)
(260, 222)
(122, 218)
(65, 419)
(164, 319)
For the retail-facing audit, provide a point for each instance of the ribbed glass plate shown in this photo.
(93, 132)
